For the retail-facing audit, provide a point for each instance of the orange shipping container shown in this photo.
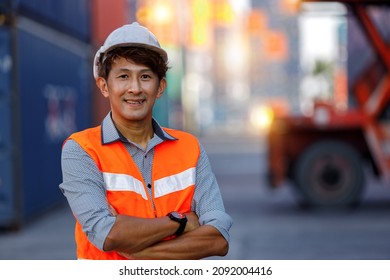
(106, 16)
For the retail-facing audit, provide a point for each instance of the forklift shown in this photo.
(326, 155)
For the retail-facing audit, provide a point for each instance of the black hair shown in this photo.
(138, 55)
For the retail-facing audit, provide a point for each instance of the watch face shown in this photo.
(177, 215)
(181, 219)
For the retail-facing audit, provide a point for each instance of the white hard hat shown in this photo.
(129, 35)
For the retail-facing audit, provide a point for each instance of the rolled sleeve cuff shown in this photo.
(98, 234)
(218, 219)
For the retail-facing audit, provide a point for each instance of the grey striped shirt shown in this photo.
(84, 187)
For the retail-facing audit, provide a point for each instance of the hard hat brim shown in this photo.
(130, 35)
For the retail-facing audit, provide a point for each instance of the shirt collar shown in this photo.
(111, 134)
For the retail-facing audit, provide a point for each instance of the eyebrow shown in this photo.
(139, 70)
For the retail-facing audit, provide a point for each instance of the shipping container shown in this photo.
(68, 16)
(106, 16)
(8, 209)
(45, 94)
(54, 87)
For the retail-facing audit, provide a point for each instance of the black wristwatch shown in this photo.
(181, 219)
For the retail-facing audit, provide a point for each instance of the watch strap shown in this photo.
(181, 219)
(182, 226)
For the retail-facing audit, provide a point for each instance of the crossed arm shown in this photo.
(139, 238)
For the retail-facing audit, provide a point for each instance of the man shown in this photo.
(137, 190)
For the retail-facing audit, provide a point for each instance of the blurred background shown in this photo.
(290, 99)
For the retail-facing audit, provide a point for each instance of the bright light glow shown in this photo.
(292, 6)
(240, 6)
(261, 117)
(235, 54)
(318, 39)
(162, 13)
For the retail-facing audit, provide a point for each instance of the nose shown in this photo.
(134, 86)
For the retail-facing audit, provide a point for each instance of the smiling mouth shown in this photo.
(135, 102)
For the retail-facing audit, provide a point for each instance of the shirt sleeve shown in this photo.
(207, 201)
(83, 187)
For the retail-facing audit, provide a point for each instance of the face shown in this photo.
(132, 90)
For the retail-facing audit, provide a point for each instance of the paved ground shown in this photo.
(47, 237)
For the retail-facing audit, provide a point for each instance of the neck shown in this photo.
(139, 133)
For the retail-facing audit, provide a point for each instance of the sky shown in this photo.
(318, 39)
(318, 34)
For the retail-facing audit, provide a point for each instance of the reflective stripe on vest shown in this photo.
(163, 186)
(124, 182)
(174, 183)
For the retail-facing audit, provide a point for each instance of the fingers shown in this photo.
(192, 221)
(126, 255)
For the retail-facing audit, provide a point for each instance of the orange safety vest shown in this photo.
(173, 175)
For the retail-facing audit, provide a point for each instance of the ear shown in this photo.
(102, 85)
(162, 87)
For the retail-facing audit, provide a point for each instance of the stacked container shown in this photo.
(45, 88)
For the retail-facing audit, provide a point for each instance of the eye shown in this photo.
(146, 76)
(123, 76)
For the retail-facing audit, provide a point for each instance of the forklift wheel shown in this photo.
(329, 173)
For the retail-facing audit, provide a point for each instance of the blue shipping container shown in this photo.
(69, 16)
(55, 85)
(8, 209)
(45, 87)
